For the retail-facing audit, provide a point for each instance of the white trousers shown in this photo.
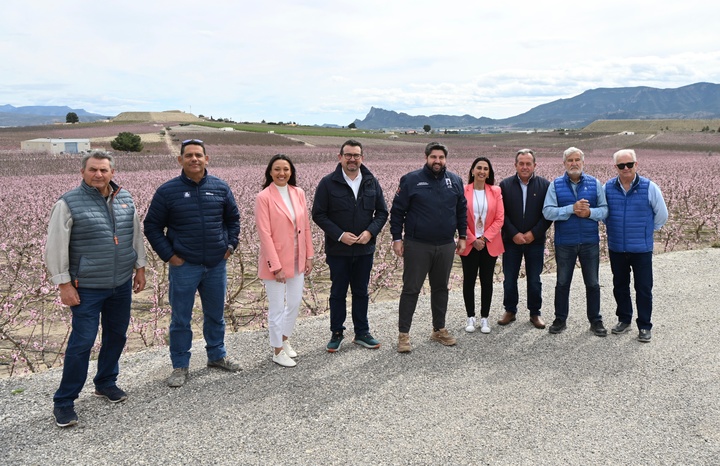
(283, 305)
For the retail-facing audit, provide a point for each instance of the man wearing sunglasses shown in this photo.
(350, 208)
(636, 210)
(576, 203)
(193, 223)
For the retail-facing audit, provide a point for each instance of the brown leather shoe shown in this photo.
(507, 318)
(537, 322)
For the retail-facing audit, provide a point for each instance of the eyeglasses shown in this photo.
(621, 166)
(191, 141)
(352, 156)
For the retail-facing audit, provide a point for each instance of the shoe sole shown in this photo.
(119, 400)
(69, 424)
(555, 331)
(485, 331)
(333, 350)
(404, 350)
(223, 368)
(284, 365)
(365, 345)
(500, 322)
(599, 334)
(446, 343)
(467, 329)
(620, 332)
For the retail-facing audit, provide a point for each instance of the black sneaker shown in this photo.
(598, 328)
(334, 343)
(558, 326)
(113, 394)
(65, 416)
(644, 335)
(621, 327)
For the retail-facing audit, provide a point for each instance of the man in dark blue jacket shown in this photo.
(524, 233)
(193, 223)
(350, 208)
(429, 207)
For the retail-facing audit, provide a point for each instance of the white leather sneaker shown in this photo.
(289, 349)
(484, 327)
(470, 325)
(283, 359)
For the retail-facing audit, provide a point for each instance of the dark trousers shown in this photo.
(641, 265)
(474, 264)
(111, 307)
(534, 255)
(565, 258)
(352, 271)
(425, 260)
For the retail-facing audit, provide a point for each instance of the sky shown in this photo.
(323, 61)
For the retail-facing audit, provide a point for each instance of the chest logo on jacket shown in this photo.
(448, 183)
(187, 194)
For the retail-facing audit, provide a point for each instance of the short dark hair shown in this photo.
(275, 158)
(352, 143)
(525, 152)
(435, 146)
(491, 176)
(193, 142)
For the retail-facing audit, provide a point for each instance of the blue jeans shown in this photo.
(641, 265)
(353, 271)
(111, 307)
(565, 258)
(210, 283)
(534, 259)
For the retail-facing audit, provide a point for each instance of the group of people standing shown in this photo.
(193, 224)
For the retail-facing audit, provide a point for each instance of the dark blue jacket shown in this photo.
(517, 221)
(430, 208)
(630, 221)
(336, 210)
(576, 230)
(195, 221)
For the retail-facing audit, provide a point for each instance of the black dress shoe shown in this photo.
(621, 327)
(558, 326)
(598, 328)
(537, 322)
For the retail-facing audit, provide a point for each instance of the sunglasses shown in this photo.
(192, 141)
(621, 166)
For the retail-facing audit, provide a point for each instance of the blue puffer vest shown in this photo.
(630, 220)
(101, 240)
(576, 230)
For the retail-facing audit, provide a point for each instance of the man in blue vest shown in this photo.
(350, 208)
(576, 203)
(636, 209)
(193, 224)
(94, 242)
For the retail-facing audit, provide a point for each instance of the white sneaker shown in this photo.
(283, 359)
(289, 349)
(470, 325)
(484, 327)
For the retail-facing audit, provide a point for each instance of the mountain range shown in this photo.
(695, 101)
(42, 115)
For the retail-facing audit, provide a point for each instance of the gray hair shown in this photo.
(100, 155)
(622, 152)
(573, 150)
(525, 152)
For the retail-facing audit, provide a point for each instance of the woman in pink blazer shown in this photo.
(286, 252)
(485, 217)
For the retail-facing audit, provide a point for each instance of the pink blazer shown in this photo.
(493, 220)
(276, 232)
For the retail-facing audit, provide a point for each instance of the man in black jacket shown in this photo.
(523, 235)
(350, 208)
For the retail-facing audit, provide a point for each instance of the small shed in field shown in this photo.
(56, 146)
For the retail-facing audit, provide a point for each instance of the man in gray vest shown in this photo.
(94, 243)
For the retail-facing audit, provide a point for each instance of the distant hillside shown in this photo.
(42, 115)
(170, 116)
(696, 101)
(651, 126)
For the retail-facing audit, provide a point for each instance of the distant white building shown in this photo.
(56, 146)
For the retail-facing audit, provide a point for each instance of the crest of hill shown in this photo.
(158, 117)
(651, 126)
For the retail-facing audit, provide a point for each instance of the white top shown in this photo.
(480, 208)
(286, 197)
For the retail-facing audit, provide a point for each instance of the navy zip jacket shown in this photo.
(195, 221)
(517, 221)
(336, 211)
(431, 208)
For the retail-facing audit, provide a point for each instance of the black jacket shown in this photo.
(336, 210)
(533, 220)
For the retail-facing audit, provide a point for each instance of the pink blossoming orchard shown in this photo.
(34, 326)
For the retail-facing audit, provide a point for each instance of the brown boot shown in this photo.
(404, 343)
(443, 336)
(507, 318)
(537, 321)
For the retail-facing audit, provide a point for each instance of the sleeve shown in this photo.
(461, 209)
(493, 230)
(600, 212)
(381, 212)
(320, 209)
(156, 220)
(57, 247)
(398, 211)
(657, 202)
(263, 223)
(231, 219)
(510, 228)
(309, 250)
(551, 210)
(138, 243)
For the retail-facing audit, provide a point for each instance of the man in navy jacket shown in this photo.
(193, 224)
(350, 208)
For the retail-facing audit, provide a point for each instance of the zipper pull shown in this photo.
(116, 240)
